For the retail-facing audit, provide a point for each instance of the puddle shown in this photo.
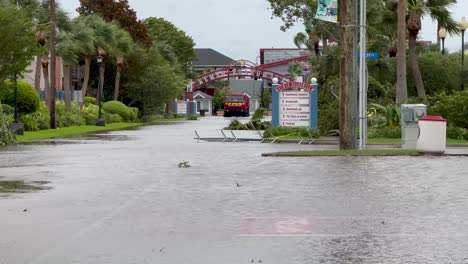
(22, 186)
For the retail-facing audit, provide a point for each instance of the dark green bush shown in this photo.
(7, 109)
(453, 107)
(456, 132)
(384, 132)
(193, 117)
(28, 99)
(116, 107)
(37, 120)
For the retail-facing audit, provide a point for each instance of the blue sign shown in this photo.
(370, 55)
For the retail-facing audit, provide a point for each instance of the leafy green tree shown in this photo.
(153, 81)
(17, 44)
(182, 45)
(119, 11)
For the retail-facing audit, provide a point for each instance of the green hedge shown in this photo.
(116, 107)
(453, 107)
(28, 99)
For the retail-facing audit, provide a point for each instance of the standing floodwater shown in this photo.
(122, 198)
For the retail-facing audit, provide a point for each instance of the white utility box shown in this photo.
(432, 135)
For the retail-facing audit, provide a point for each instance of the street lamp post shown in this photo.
(100, 121)
(463, 26)
(442, 36)
(16, 126)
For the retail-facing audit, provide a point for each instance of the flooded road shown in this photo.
(122, 198)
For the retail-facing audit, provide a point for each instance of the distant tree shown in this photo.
(119, 11)
(38, 12)
(155, 83)
(17, 44)
(162, 31)
(437, 10)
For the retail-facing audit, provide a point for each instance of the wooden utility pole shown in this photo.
(53, 63)
(402, 88)
(346, 28)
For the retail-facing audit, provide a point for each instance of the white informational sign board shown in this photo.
(294, 109)
(182, 107)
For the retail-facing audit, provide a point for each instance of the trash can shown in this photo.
(202, 112)
(432, 135)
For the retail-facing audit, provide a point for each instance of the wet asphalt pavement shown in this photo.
(121, 198)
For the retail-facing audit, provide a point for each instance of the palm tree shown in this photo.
(437, 10)
(68, 49)
(122, 46)
(98, 35)
(39, 12)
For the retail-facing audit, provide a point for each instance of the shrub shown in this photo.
(176, 115)
(116, 107)
(7, 137)
(291, 131)
(89, 100)
(113, 118)
(67, 120)
(384, 132)
(28, 99)
(133, 113)
(7, 109)
(193, 117)
(453, 107)
(89, 113)
(456, 132)
(37, 120)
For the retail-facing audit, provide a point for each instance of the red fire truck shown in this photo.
(236, 105)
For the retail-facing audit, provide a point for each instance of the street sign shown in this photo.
(370, 55)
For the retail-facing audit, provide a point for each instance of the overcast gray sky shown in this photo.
(240, 28)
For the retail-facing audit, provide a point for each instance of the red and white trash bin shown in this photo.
(432, 135)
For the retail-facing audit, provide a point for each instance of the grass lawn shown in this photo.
(77, 130)
(398, 141)
(369, 152)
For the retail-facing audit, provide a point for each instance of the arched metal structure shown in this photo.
(239, 69)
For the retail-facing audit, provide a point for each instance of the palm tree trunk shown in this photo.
(100, 93)
(438, 37)
(66, 79)
(117, 83)
(402, 86)
(86, 74)
(415, 67)
(117, 77)
(346, 16)
(37, 75)
(45, 72)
